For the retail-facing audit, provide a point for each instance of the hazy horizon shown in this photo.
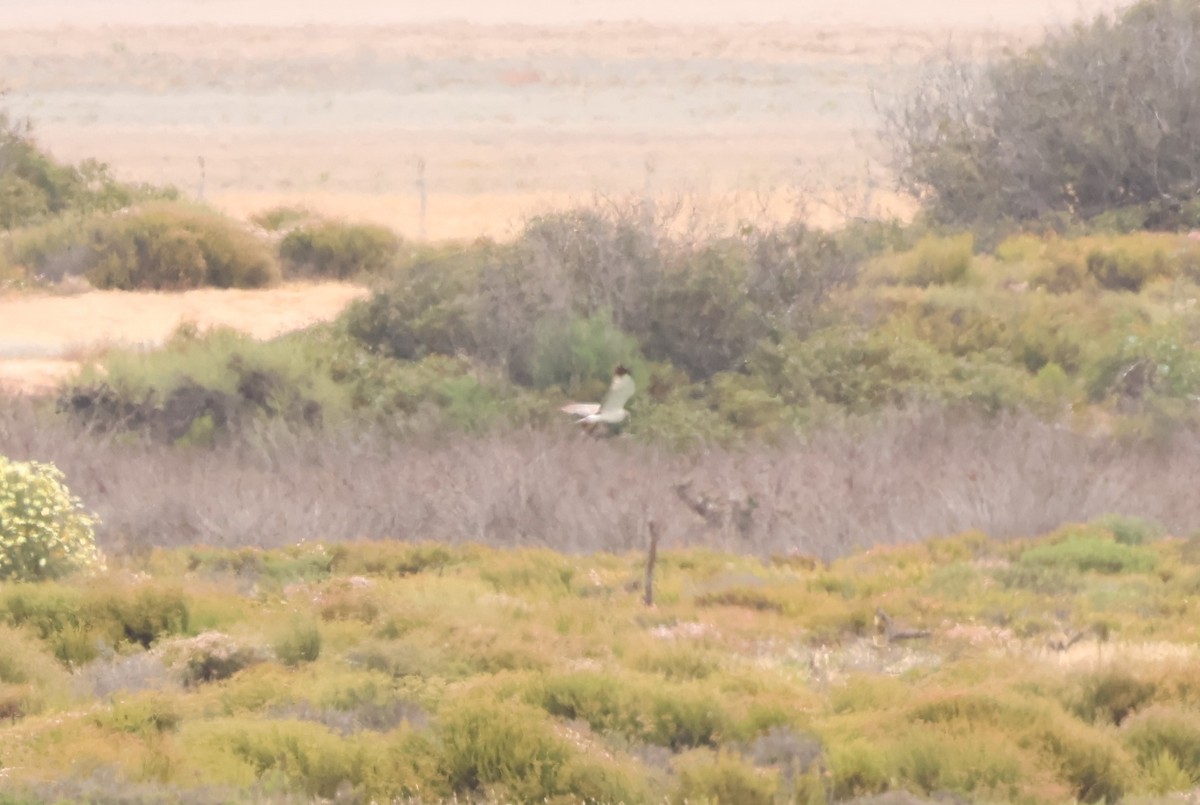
(865, 13)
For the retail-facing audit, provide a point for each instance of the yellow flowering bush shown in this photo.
(44, 532)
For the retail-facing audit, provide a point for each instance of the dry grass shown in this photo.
(903, 479)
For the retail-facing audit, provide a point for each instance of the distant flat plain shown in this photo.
(512, 108)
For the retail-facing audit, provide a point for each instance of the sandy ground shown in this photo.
(42, 336)
(462, 118)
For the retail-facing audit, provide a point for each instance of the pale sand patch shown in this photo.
(34, 376)
(42, 336)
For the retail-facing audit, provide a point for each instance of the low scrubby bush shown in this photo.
(33, 186)
(1110, 696)
(938, 261)
(44, 530)
(720, 777)
(1129, 530)
(209, 657)
(175, 246)
(1163, 731)
(1140, 366)
(1084, 551)
(145, 713)
(505, 746)
(571, 352)
(426, 308)
(674, 715)
(391, 558)
(78, 621)
(337, 250)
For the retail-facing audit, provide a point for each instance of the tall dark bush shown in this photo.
(1100, 116)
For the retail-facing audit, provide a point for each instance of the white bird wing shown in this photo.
(619, 392)
(581, 409)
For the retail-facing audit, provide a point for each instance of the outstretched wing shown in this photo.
(619, 392)
(580, 409)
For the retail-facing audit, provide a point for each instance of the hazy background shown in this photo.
(512, 108)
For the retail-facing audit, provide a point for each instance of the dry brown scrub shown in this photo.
(904, 479)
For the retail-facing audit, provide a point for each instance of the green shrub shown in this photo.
(859, 371)
(930, 762)
(704, 320)
(1092, 764)
(58, 615)
(1135, 367)
(305, 755)
(75, 620)
(1087, 552)
(390, 558)
(297, 643)
(34, 187)
(213, 382)
(335, 250)
(746, 597)
(1019, 248)
(1126, 268)
(144, 613)
(678, 663)
(426, 308)
(857, 769)
(1111, 696)
(44, 532)
(30, 679)
(595, 778)
(146, 713)
(938, 261)
(1161, 732)
(673, 715)
(517, 754)
(1129, 530)
(720, 778)
(53, 250)
(508, 746)
(746, 404)
(173, 246)
(1063, 269)
(682, 424)
(303, 562)
(572, 351)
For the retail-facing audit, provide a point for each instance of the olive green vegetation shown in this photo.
(1096, 329)
(1070, 310)
(1052, 669)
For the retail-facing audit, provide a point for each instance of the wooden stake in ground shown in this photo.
(651, 558)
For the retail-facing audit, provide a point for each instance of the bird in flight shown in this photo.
(609, 412)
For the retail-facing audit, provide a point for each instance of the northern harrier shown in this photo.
(610, 411)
